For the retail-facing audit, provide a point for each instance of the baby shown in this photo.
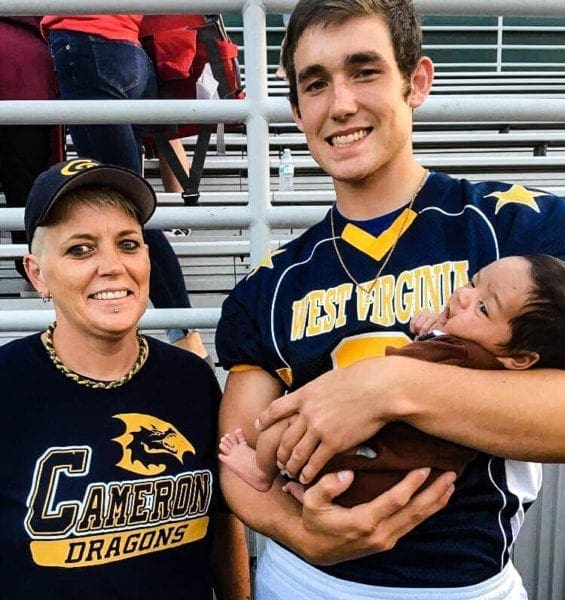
(511, 315)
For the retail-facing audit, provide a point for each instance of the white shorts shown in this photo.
(283, 576)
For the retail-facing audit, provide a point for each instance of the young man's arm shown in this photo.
(318, 530)
(517, 415)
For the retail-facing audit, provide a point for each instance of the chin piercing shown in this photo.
(116, 310)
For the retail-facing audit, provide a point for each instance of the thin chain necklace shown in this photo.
(47, 340)
(407, 212)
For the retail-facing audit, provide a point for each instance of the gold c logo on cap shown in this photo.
(80, 164)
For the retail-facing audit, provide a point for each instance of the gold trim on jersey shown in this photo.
(377, 247)
(286, 375)
(244, 368)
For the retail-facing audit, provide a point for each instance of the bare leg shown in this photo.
(192, 342)
(240, 458)
(170, 183)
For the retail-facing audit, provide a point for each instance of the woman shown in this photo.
(111, 486)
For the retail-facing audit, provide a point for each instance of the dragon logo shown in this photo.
(145, 441)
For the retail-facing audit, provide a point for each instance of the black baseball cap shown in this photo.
(63, 177)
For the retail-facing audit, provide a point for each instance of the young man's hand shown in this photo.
(334, 533)
(334, 412)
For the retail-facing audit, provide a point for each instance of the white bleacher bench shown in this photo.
(531, 139)
(515, 83)
(426, 136)
(182, 245)
(485, 161)
(519, 83)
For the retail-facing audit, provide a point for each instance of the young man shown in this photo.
(398, 241)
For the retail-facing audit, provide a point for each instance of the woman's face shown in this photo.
(95, 265)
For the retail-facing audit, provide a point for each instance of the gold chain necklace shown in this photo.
(47, 340)
(389, 253)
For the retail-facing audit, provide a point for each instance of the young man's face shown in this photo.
(355, 107)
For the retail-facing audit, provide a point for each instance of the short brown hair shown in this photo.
(540, 327)
(399, 15)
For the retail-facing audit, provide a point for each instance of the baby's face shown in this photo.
(481, 310)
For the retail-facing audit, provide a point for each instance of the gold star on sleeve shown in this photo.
(267, 262)
(517, 194)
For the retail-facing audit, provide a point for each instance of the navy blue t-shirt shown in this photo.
(107, 493)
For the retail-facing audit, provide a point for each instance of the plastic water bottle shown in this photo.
(286, 172)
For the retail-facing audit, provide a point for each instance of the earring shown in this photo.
(46, 298)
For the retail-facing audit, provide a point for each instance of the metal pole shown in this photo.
(255, 45)
(499, 43)
(525, 8)
(162, 318)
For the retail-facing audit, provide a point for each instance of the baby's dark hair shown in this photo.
(540, 327)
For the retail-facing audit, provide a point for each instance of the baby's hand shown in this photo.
(425, 322)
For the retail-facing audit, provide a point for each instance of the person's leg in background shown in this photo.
(191, 340)
(26, 73)
(170, 182)
(91, 67)
(166, 295)
(25, 152)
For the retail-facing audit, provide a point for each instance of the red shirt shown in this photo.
(111, 27)
(153, 23)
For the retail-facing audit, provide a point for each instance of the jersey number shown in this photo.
(366, 345)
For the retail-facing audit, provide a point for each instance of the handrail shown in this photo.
(547, 8)
(461, 108)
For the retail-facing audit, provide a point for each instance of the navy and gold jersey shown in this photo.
(299, 314)
(107, 493)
